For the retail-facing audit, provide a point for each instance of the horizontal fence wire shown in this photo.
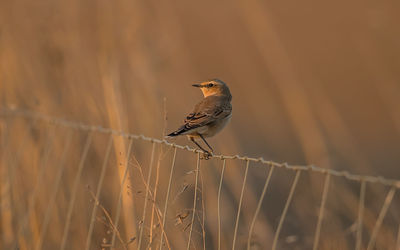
(312, 168)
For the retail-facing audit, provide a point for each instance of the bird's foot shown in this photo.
(206, 155)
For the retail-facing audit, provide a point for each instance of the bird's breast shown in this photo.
(216, 127)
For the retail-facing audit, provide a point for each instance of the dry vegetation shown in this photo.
(313, 82)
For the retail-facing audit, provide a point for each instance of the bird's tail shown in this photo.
(177, 132)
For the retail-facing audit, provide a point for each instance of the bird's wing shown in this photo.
(210, 109)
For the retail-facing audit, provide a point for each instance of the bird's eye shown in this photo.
(210, 85)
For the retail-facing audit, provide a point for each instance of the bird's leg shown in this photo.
(206, 153)
(212, 150)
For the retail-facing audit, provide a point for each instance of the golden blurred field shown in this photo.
(312, 83)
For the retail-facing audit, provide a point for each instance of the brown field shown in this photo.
(313, 82)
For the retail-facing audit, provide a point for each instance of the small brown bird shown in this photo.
(209, 116)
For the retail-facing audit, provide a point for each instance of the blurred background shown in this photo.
(312, 83)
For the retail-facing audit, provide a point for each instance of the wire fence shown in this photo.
(47, 160)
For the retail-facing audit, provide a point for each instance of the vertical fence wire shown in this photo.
(13, 162)
(154, 207)
(7, 197)
(53, 195)
(219, 203)
(385, 207)
(360, 215)
(194, 200)
(321, 211)
(75, 190)
(240, 205)
(98, 191)
(260, 201)
(121, 190)
(167, 199)
(143, 222)
(289, 199)
(203, 210)
(43, 163)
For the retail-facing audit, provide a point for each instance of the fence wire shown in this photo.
(31, 230)
(82, 126)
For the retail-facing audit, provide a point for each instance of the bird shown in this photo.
(209, 116)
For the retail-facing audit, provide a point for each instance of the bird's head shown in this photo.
(213, 87)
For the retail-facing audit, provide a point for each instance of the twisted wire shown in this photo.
(82, 126)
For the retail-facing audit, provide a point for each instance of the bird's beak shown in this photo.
(196, 85)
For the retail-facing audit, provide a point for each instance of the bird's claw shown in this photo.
(206, 155)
